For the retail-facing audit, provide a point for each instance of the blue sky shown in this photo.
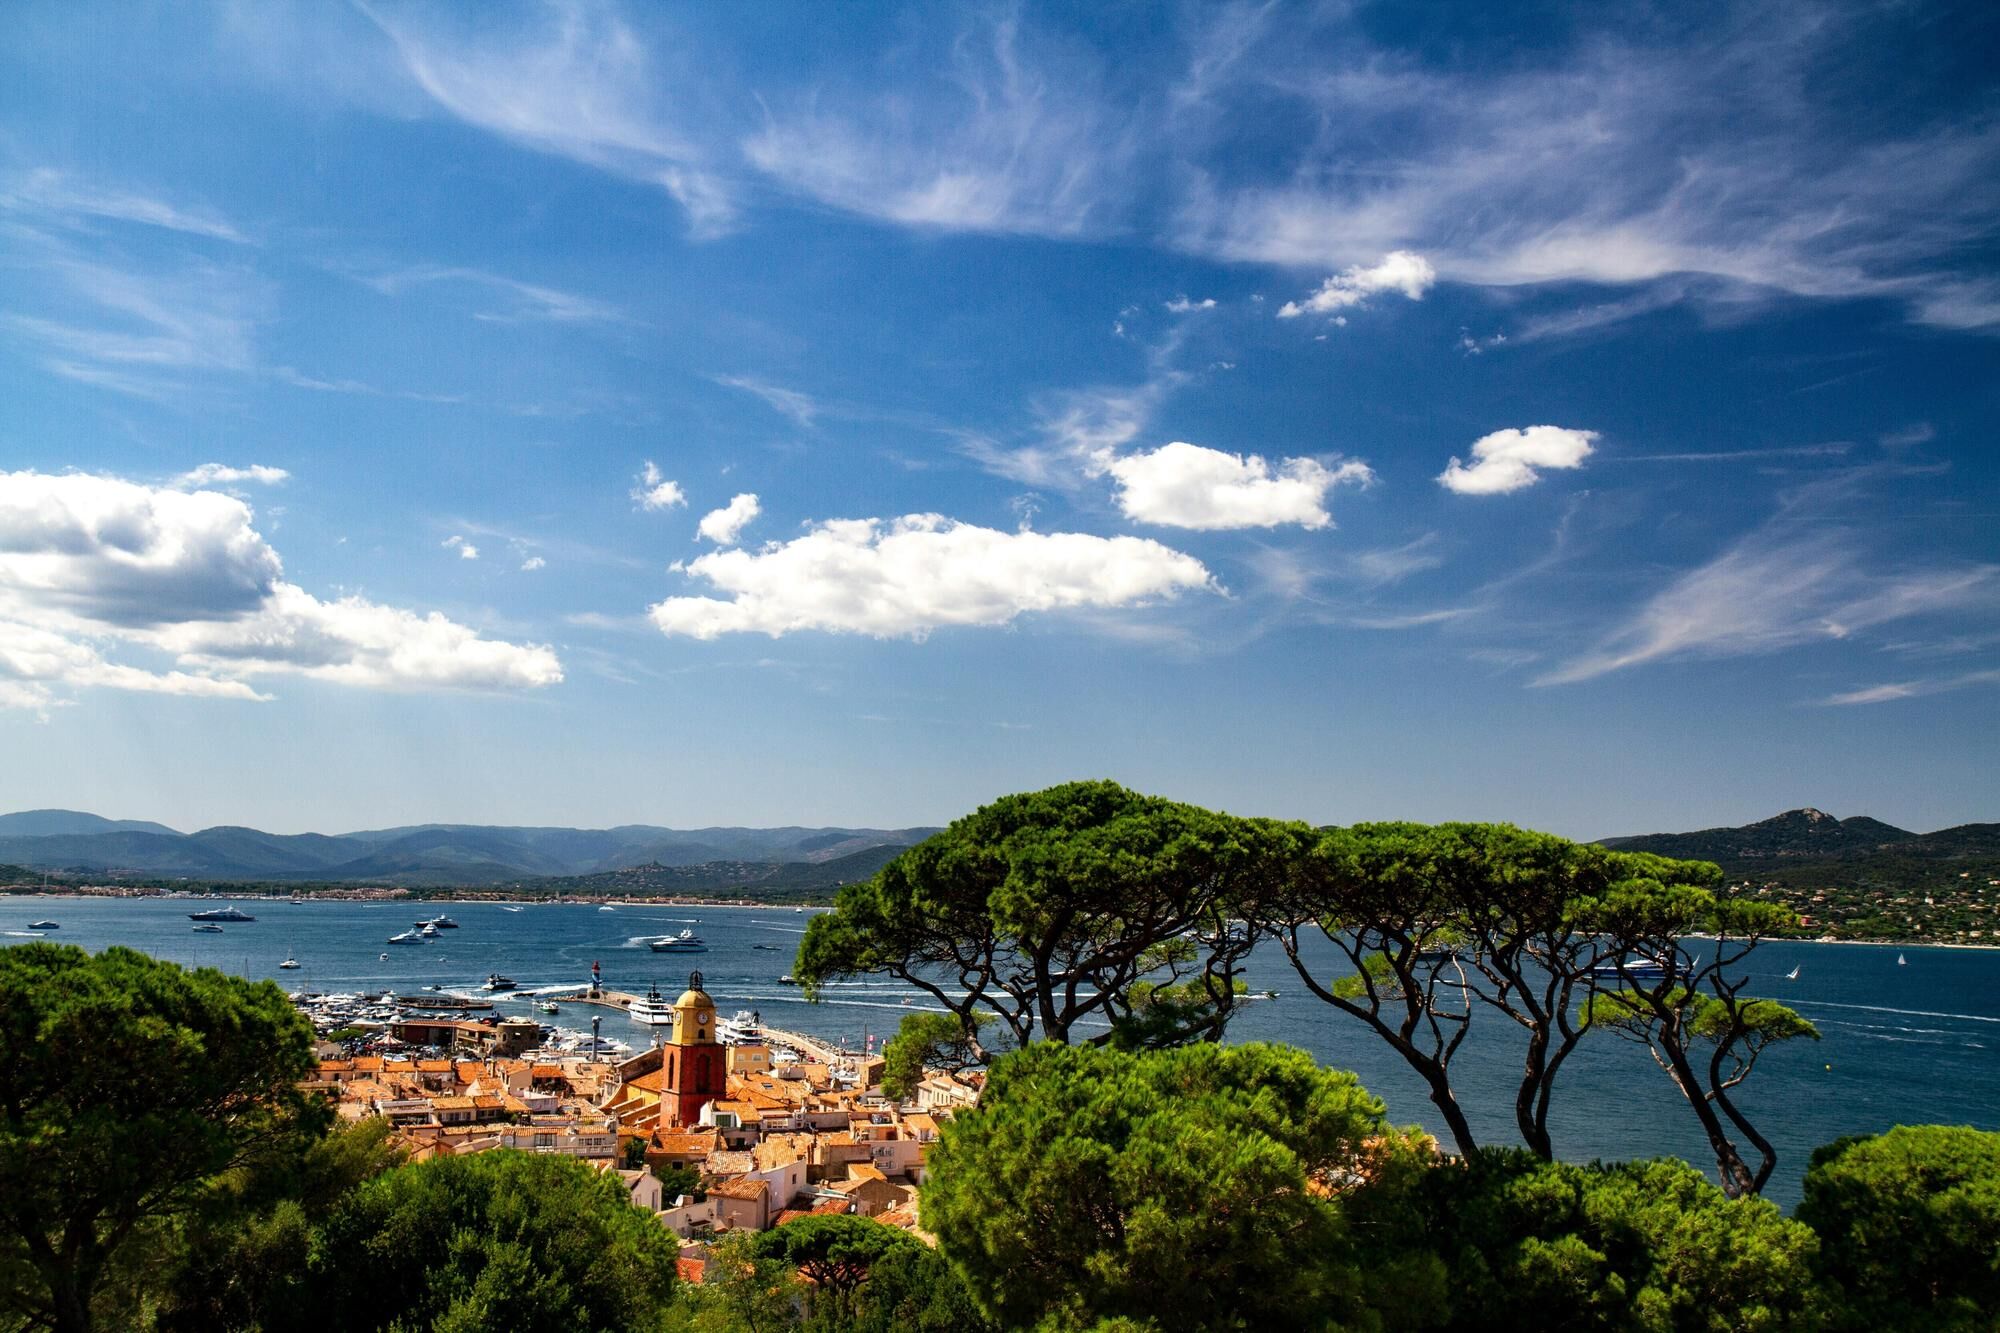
(583, 414)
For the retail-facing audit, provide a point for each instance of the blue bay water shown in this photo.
(1901, 1044)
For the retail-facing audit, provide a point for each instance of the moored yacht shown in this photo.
(206, 930)
(742, 1028)
(653, 1009)
(406, 937)
(291, 963)
(43, 925)
(221, 914)
(440, 922)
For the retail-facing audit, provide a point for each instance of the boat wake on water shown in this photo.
(1907, 1013)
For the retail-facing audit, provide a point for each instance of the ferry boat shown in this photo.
(221, 914)
(742, 1028)
(652, 1009)
(406, 937)
(43, 925)
(685, 942)
(494, 981)
(440, 922)
(206, 930)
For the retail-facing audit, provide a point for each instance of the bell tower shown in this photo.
(694, 1066)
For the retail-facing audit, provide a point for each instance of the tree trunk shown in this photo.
(1736, 1178)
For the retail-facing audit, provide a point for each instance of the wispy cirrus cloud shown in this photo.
(132, 328)
(1912, 689)
(801, 408)
(1635, 155)
(1801, 577)
(524, 300)
(582, 84)
(49, 191)
(1007, 139)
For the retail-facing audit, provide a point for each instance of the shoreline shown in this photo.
(796, 908)
(57, 895)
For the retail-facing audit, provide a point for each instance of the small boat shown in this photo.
(1902, 961)
(797, 910)
(1792, 975)
(296, 901)
(406, 937)
(206, 930)
(685, 942)
(43, 925)
(764, 946)
(607, 908)
(652, 1009)
(510, 909)
(494, 981)
(291, 963)
(439, 922)
(788, 980)
(549, 1007)
(221, 914)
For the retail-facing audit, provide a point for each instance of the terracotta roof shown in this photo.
(745, 1187)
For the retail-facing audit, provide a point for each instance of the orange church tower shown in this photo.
(694, 1069)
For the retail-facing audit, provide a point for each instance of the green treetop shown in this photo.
(1909, 1226)
(1080, 909)
(1201, 1186)
(129, 1086)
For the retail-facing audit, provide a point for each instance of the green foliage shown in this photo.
(1200, 1186)
(1542, 1247)
(676, 1179)
(1048, 908)
(926, 1040)
(241, 1259)
(1909, 1226)
(130, 1085)
(500, 1239)
(632, 1153)
(743, 1291)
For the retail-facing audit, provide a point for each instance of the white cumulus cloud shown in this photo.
(1507, 460)
(723, 526)
(466, 550)
(96, 566)
(1184, 485)
(1181, 305)
(904, 577)
(533, 563)
(1400, 271)
(654, 491)
(212, 474)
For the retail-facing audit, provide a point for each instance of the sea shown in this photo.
(1915, 1041)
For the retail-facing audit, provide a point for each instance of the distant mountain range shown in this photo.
(443, 854)
(1804, 837)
